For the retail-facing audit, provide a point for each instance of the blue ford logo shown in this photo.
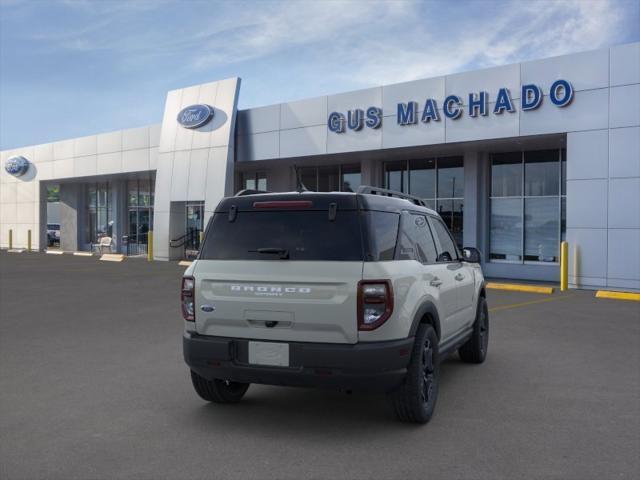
(16, 166)
(195, 116)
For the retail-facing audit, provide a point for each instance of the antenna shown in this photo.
(299, 185)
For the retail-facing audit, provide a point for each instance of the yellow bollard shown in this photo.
(564, 266)
(150, 246)
(10, 239)
(29, 240)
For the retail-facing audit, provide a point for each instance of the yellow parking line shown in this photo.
(515, 287)
(530, 302)
(618, 295)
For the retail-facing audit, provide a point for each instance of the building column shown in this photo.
(471, 231)
(70, 209)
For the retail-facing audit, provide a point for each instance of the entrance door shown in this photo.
(194, 228)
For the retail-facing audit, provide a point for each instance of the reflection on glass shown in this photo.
(395, 176)
(422, 178)
(450, 177)
(541, 173)
(351, 178)
(328, 179)
(506, 174)
(506, 229)
(309, 178)
(541, 229)
(451, 212)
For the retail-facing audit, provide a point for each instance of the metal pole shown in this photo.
(150, 246)
(29, 240)
(10, 239)
(564, 266)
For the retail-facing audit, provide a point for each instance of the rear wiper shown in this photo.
(283, 252)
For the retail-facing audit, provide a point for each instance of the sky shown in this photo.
(70, 68)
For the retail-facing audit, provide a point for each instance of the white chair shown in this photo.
(104, 242)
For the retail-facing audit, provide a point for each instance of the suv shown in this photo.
(351, 291)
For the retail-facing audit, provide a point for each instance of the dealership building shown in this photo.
(515, 159)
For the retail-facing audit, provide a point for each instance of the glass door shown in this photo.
(194, 228)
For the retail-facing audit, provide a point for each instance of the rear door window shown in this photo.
(447, 251)
(304, 235)
(416, 241)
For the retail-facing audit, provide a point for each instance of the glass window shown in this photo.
(328, 179)
(132, 193)
(309, 178)
(351, 178)
(506, 174)
(506, 229)
(416, 242)
(254, 181)
(541, 173)
(530, 224)
(451, 212)
(563, 169)
(447, 251)
(422, 178)
(450, 177)
(395, 173)
(382, 228)
(305, 235)
(541, 229)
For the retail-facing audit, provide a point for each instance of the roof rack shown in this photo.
(249, 191)
(369, 190)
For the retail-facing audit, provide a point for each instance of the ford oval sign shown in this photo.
(16, 166)
(195, 116)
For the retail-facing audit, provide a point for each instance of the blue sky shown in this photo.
(73, 68)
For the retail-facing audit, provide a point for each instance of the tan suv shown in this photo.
(352, 291)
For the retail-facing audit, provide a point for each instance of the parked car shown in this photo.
(351, 291)
(53, 234)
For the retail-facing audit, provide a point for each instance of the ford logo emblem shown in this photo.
(16, 166)
(195, 116)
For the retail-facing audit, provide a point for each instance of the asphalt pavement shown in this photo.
(93, 386)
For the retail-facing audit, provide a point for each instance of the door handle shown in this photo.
(459, 277)
(435, 282)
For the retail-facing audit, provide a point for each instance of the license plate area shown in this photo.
(269, 353)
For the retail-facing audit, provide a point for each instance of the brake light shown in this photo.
(284, 204)
(187, 298)
(375, 303)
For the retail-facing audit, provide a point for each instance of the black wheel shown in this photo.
(415, 399)
(218, 391)
(475, 349)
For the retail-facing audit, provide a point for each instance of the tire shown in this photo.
(218, 391)
(415, 400)
(475, 349)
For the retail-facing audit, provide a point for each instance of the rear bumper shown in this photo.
(375, 366)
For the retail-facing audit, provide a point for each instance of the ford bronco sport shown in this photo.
(352, 291)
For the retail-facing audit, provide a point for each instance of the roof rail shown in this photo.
(249, 191)
(369, 190)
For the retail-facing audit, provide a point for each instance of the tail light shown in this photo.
(187, 298)
(375, 303)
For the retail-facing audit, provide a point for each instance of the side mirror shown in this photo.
(471, 255)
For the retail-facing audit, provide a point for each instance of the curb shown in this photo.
(634, 297)
(515, 287)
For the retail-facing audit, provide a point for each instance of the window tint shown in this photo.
(447, 250)
(416, 242)
(382, 228)
(305, 235)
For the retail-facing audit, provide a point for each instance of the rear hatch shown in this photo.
(281, 267)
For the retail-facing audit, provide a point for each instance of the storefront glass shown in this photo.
(140, 215)
(331, 178)
(527, 206)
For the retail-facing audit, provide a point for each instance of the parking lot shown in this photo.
(93, 386)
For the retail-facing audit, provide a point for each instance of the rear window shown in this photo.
(304, 235)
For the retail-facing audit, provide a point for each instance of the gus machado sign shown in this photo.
(560, 95)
